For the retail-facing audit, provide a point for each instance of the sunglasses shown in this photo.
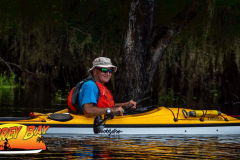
(105, 70)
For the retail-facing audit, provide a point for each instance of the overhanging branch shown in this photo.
(163, 34)
(8, 63)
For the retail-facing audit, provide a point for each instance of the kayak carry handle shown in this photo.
(200, 113)
(185, 113)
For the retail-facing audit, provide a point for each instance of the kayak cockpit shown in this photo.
(141, 110)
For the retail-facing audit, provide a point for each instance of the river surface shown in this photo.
(19, 102)
(137, 147)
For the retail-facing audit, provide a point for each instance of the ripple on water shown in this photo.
(138, 147)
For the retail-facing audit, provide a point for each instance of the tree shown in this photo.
(145, 46)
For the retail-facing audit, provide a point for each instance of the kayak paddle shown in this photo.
(99, 123)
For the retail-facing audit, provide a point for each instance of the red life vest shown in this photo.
(73, 96)
(105, 98)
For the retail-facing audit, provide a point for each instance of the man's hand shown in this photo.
(132, 102)
(116, 109)
(120, 106)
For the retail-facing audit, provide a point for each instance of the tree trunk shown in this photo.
(144, 47)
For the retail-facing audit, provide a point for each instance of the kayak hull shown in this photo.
(160, 120)
(149, 130)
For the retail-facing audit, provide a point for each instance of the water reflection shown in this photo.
(19, 102)
(139, 147)
(153, 147)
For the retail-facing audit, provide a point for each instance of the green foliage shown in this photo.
(60, 95)
(61, 38)
(55, 37)
(172, 97)
(199, 57)
(7, 81)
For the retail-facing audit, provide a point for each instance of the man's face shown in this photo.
(100, 76)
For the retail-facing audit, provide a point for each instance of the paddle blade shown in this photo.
(98, 126)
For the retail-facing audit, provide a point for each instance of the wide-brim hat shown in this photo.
(102, 62)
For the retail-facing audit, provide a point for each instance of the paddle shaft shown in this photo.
(116, 113)
(130, 106)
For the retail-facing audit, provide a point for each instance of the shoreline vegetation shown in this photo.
(9, 81)
(55, 43)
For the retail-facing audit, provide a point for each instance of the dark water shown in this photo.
(19, 102)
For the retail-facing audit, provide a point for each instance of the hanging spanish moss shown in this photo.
(54, 42)
(205, 60)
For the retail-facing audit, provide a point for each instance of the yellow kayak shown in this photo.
(151, 120)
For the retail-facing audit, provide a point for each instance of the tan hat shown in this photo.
(102, 62)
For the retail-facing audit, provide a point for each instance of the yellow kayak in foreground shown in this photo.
(151, 120)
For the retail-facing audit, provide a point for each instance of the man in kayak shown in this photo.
(94, 98)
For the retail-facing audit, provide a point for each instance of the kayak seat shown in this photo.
(60, 117)
(14, 118)
(141, 110)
